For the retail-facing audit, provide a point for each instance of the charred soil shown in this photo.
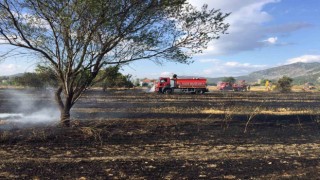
(137, 135)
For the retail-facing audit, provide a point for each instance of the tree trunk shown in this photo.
(65, 117)
(63, 107)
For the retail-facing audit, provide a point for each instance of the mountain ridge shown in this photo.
(299, 72)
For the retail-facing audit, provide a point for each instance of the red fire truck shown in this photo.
(225, 86)
(169, 85)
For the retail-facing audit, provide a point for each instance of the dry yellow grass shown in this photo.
(11, 87)
(258, 88)
(295, 88)
(181, 110)
(278, 111)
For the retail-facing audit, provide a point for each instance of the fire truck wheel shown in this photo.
(167, 91)
(199, 92)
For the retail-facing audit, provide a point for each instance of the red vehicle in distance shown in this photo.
(167, 85)
(228, 86)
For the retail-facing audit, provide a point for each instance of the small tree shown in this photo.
(41, 78)
(29, 80)
(229, 79)
(123, 81)
(107, 78)
(284, 84)
(111, 77)
(137, 82)
(47, 75)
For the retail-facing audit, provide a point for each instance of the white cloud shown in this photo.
(248, 28)
(232, 64)
(3, 40)
(9, 69)
(166, 74)
(271, 40)
(209, 60)
(218, 68)
(304, 59)
(289, 27)
(245, 31)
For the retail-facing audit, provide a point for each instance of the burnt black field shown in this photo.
(131, 134)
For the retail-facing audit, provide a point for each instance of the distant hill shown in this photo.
(11, 76)
(300, 72)
(16, 75)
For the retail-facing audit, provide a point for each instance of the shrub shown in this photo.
(229, 79)
(284, 84)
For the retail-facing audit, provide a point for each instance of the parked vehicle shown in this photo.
(228, 86)
(224, 86)
(309, 86)
(169, 85)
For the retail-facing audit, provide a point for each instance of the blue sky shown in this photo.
(262, 34)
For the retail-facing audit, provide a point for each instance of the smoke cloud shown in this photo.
(152, 89)
(28, 108)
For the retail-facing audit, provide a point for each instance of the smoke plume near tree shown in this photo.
(24, 108)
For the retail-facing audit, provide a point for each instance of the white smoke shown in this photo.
(30, 107)
(10, 115)
(153, 88)
(45, 115)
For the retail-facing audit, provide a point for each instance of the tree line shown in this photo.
(44, 77)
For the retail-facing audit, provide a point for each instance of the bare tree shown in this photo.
(79, 37)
